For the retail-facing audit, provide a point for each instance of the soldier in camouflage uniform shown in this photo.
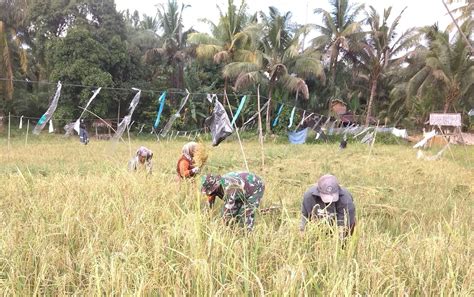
(241, 192)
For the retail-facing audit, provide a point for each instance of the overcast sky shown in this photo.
(418, 12)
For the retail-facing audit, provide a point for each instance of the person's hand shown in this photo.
(195, 170)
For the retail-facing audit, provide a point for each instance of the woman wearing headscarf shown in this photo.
(142, 158)
(186, 164)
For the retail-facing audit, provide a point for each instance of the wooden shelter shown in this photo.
(102, 129)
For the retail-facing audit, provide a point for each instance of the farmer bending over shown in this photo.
(241, 192)
(142, 158)
(326, 200)
(186, 165)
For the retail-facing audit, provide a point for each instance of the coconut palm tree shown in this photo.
(233, 39)
(448, 68)
(12, 39)
(340, 30)
(382, 50)
(172, 52)
(278, 62)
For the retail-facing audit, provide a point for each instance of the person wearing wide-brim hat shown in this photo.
(327, 200)
(241, 192)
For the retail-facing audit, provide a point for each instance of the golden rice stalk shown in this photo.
(200, 155)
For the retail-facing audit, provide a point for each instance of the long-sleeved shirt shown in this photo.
(239, 187)
(134, 164)
(341, 211)
(185, 167)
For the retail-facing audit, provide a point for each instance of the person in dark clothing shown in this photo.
(326, 200)
(83, 135)
(343, 143)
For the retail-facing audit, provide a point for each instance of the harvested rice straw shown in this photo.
(200, 155)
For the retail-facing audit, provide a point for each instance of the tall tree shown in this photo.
(279, 62)
(233, 39)
(382, 49)
(172, 51)
(448, 68)
(339, 32)
(13, 36)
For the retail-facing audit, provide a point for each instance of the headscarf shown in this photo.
(189, 149)
(145, 152)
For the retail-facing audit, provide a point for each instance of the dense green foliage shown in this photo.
(358, 55)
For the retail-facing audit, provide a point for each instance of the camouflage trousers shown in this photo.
(243, 213)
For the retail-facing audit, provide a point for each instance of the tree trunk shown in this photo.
(268, 127)
(447, 104)
(373, 90)
(333, 73)
(453, 94)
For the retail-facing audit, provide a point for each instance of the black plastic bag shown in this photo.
(219, 123)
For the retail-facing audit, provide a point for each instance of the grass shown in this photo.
(74, 221)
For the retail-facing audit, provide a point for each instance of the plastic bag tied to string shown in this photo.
(126, 120)
(173, 118)
(49, 113)
(219, 123)
(292, 116)
(275, 121)
(77, 123)
(241, 105)
(160, 109)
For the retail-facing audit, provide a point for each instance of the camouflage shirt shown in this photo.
(242, 194)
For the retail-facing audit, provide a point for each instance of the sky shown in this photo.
(417, 13)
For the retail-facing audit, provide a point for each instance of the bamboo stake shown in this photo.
(459, 29)
(129, 144)
(447, 140)
(237, 131)
(9, 119)
(373, 141)
(260, 132)
(27, 129)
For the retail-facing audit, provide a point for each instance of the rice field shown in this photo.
(74, 221)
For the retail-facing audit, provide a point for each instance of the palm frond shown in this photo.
(248, 56)
(307, 66)
(235, 69)
(202, 38)
(415, 82)
(248, 78)
(207, 51)
(295, 84)
(351, 29)
(221, 57)
(320, 42)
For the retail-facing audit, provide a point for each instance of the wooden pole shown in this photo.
(373, 141)
(447, 140)
(27, 129)
(260, 132)
(118, 113)
(459, 29)
(129, 144)
(9, 119)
